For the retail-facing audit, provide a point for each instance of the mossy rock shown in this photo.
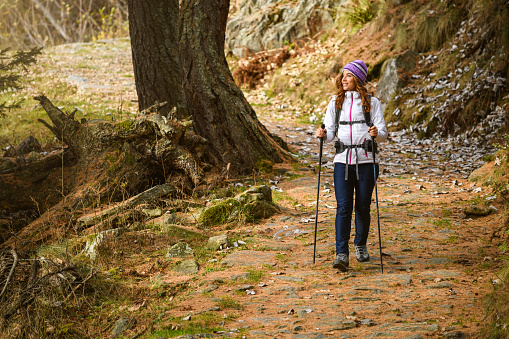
(222, 192)
(189, 266)
(481, 174)
(181, 233)
(252, 205)
(153, 213)
(256, 193)
(218, 242)
(180, 250)
(219, 213)
(259, 210)
(476, 210)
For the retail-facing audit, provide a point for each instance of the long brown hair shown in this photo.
(359, 87)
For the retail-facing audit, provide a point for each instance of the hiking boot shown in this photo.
(341, 262)
(361, 251)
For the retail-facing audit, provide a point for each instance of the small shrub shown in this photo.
(360, 12)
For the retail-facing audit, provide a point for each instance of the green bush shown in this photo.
(360, 12)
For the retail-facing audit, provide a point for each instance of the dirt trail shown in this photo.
(438, 264)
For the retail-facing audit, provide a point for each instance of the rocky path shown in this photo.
(438, 262)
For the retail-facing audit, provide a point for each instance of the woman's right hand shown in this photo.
(321, 133)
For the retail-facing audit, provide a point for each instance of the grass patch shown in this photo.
(434, 27)
(443, 223)
(207, 322)
(22, 122)
(452, 239)
(227, 302)
(254, 275)
(283, 199)
(446, 213)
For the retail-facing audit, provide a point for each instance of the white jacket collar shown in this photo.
(356, 95)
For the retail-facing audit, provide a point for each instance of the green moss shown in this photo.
(251, 206)
(129, 158)
(125, 125)
(91, 237)
(220, 213)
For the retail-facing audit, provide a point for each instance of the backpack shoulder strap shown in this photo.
(336, 125)
(367, 116)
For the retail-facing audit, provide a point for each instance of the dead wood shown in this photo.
(11, 272)
(110, 162)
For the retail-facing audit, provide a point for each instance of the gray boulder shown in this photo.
(121, 325)
(187, 267)
(180, 250)
(267, 24)
(395, 75)
(218, 242)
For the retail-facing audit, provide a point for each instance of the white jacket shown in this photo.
(354, 134)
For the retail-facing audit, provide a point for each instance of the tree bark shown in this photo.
(153, 26)
(221, 113)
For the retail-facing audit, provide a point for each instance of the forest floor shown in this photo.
(438, 263)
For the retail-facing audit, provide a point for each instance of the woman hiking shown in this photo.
(354, 117)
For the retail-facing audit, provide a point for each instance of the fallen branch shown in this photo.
(79, 285)
(11, 273)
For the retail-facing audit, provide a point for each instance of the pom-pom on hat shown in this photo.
(358, 69)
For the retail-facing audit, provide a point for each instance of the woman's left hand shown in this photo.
(373, 131)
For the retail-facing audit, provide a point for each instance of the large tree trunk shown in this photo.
(153, 26)
(218, 107)
(114, 161)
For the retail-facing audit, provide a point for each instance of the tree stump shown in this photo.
(112, 162)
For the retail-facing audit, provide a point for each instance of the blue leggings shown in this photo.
(344, 190)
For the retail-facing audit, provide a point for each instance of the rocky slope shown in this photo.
(440, 69)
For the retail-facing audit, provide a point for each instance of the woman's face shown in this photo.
(348, 81)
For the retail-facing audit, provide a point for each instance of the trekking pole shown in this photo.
(376, 197)
(318, 193)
